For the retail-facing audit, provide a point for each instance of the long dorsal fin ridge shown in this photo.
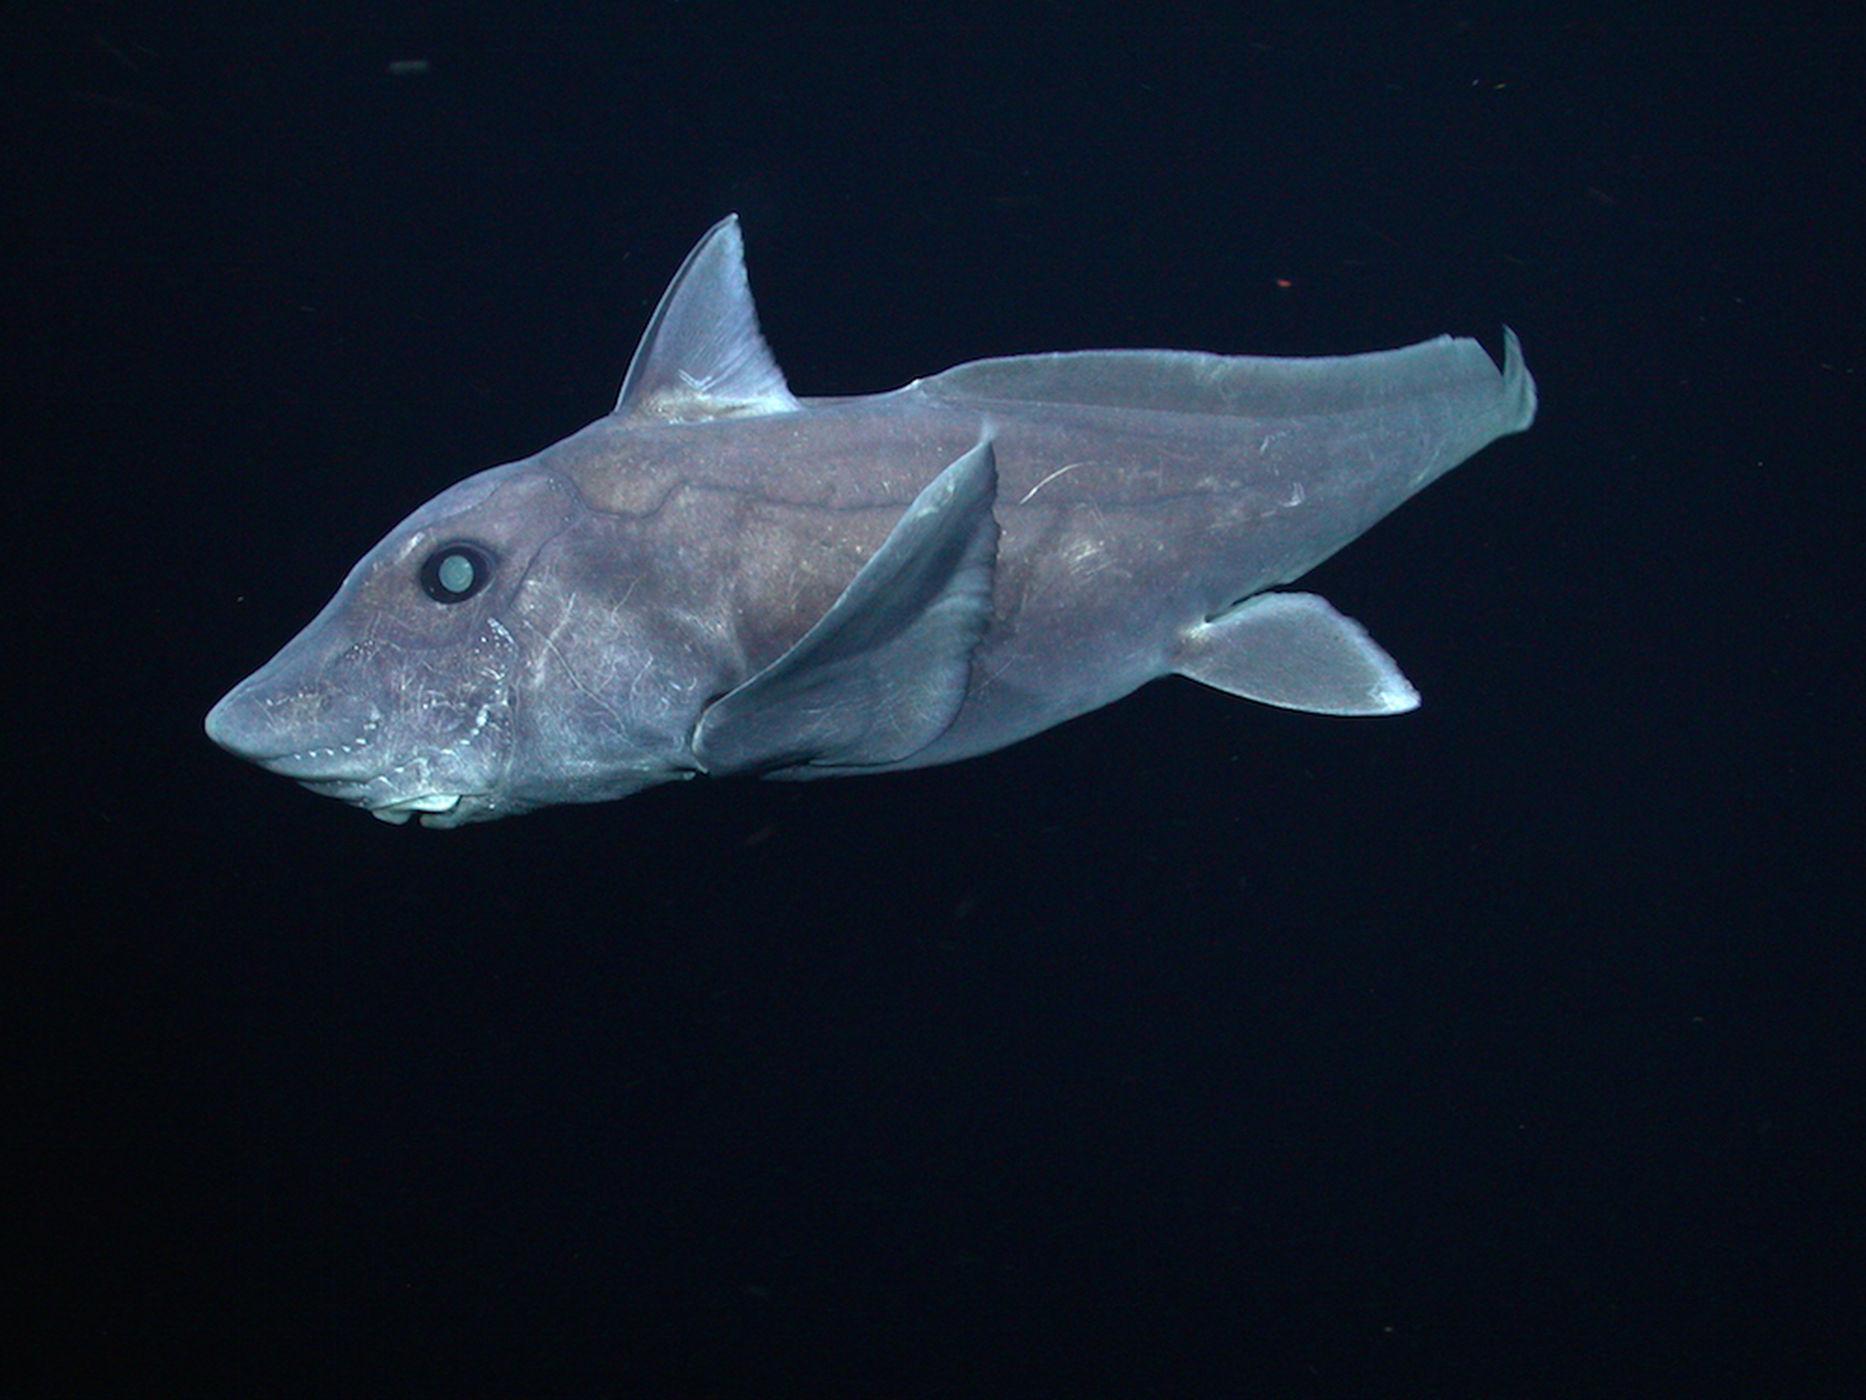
(702, 355)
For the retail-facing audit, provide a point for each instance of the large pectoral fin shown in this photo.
(882, 674)
(1294, 650)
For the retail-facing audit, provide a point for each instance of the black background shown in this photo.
(1510, 1048)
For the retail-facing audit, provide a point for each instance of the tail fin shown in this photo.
(1519, 389)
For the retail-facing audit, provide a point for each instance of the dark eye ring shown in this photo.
(455, 572)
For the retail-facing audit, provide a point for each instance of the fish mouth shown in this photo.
(441, 809)
(429, 804)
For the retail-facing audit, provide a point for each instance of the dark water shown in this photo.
(1511, 1048)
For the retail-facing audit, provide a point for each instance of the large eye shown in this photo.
(455, 572)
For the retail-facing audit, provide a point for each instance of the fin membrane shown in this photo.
(883, 673)
(702, 355)
(1295, 651)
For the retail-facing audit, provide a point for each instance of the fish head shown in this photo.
(406, 694)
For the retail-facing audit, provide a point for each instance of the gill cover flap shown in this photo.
(883, 673)
(1295, 651)
(702, 355)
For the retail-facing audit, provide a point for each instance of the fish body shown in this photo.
(720, 577)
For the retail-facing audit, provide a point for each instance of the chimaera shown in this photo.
(721, 578)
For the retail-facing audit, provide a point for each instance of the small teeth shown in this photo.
(395, 813)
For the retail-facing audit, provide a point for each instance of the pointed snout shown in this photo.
(248, 727)
(239, 726)
(295, 730)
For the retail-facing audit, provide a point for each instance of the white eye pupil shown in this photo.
(456, 573)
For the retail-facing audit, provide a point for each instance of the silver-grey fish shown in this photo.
(721, 578)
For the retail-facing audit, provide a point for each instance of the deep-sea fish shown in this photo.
(719, 577)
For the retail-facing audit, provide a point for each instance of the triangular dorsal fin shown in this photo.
(702, 355)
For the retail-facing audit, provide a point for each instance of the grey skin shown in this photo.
(721, 578)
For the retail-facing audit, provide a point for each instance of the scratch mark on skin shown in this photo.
(615, 609)
(550, 644)
(985, 684)
(1048, 479)
(634, 686)
(563, 621)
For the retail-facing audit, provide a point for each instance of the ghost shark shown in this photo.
(719, 577)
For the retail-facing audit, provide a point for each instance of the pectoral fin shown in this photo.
(1294, 650)
(882, 674)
